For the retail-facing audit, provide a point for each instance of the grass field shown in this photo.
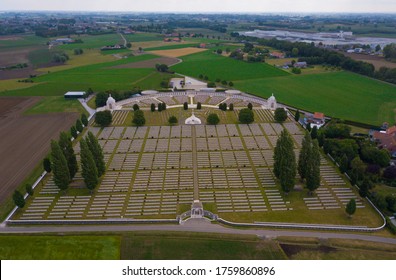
(187, 246)
(97, 76)
(339, 94)
(198, 247)
(335, 249)
(55, 104)
(93, 41)
(59, 247)
(216, 66)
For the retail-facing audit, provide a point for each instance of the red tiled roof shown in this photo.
(318, 115)
(391, 130)
(387, 141)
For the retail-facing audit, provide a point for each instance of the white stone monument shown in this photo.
(193, 120)
(272, 105)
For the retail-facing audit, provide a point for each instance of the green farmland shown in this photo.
(341, 94)
(216, 66)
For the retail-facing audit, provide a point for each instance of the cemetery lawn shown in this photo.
(69, 247)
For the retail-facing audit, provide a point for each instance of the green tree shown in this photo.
(213, 119)
(135, 107)
(250, 106)
(231, 107)
(185, 106)
(18, 198)
(59, 167)
(313, 168)
(314, 132)
(84, 119)
(138, 118)
(297, 116)
(97, 153)
(100, 99)
(285, 161)
(246, 116)
(47, 165)
(88, 167)
(296, 70)
(103, 118)
(199, 106)
(344, 163)
(66, 146)
(29, 189)
(295, 52)
(172, 120)
(350, 208)
(129, 45)
(303, 156)
(231, 84)
(219, 51)
(73, 132)
(358, 168)
(152, 107)
(280, 115)
(79, 126)
(364, 187)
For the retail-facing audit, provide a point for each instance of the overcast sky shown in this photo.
(182, 6)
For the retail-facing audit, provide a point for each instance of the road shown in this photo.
(193, 225)
(123, 38)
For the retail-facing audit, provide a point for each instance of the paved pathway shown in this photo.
(194, 162)
(194, 225)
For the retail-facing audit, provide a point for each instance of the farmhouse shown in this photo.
(74, 94)
(386, 139)
(316, 119)
(277, 55)
(301, 64)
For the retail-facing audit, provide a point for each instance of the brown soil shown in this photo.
(17, 73)
(292, 249)
(178, 52)
(377, 61)
(25, 140)
(149, 63)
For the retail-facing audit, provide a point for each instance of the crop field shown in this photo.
(203, 247)
(23, 148)
(98, 76)
(171, 46)
(93, 41)
(216, 66)
(178, 52)
(340, 94)
(53, 247)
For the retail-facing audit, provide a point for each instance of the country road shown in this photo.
(193, 225)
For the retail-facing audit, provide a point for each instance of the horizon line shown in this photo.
(197, 12)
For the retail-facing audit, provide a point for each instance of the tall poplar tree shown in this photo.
(88, 167)
(59, 166)
(313, 167)
(67, 148)
(97, 153)
(303, 156)
(285, 161)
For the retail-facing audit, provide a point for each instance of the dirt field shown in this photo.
(150, 63)
(377, 61)
(178, 52)
(25, 140)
